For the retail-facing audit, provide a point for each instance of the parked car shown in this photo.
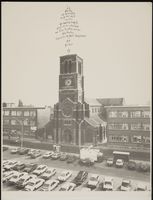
(5, 148)
(65, 175)
(125, 185)
(30, 167)
(11, 164)
(40, 169)
(93, 181)
(23, 151)
(19, 166)
(56, 156)
(143, 167)
(108, 184)
(34, 184)
(16, 177)
(86, 162)
(7, 175)
(80, 178)
(131, 165)
(35, 155)
(23, 181)
(71, 159)
(68, 187)
(5, 162)
(49, 185)
(31, 151)
(110, 162)
(15, 150)
(48, 173)
(119, 163)
(141, 187)
(48, 154)
(63, 157)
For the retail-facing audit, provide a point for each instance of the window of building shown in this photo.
(13, 113)
(118, 126)
(136, 126)
(136, 139)
(146, 127)
(32, 123)
(26, 113)
(69, 66)
(25, 122)
(136, 114)
(6, 112)
(146, 139)
(13, 122)
(32, 113)
(146, 114)
(79, 67)
(19, 113)
(122, 139)
(112, 114)
(6, 121)
(123, 114)
(67, 122)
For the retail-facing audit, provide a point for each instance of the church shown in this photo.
(75, 120)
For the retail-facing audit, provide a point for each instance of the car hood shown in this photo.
(13, 180)
(92, 182)
(125, 188)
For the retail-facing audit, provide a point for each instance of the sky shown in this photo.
(116, 51)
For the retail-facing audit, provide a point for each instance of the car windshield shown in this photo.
(107, 183)
(21, 180)
(39, 168)
(63, 174)
(140, 189)
(46, 185)
(125, 184)
(93, 179)
(48, 172)
(62, 189)
(79, 175)
(15, 176)
(30, 183)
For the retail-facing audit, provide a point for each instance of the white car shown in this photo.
(64, 175)
(16, 177)
(15, 150)
(125, 185)
(110, 161)
(48, 154)
(34, 184)
(93, 181)
(40, 169)
(7, 175)
(68, 187)
(48, 173)
(141, 187)
(49, 185)
(11, 164)
(23, 181)
(119, 163)
(5, 162)
(108, 184)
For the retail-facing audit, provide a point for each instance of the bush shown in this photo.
(131, 165)
(143, 167)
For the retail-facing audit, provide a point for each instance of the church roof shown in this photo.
(92, 102)
(111, 101)
(95, 121)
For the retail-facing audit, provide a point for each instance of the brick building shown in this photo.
(29, 117)
(128, 126)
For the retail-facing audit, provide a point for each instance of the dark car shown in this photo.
(80, 178)
(35, 155)
(23, 151)
(86, 162)
(5, 148)
(63, 157)
(71, 159)
(30, 167)
(19, 167)
(131, 165)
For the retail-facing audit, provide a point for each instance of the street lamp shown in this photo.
(22, 130)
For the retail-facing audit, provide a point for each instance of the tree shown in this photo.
(20, 104)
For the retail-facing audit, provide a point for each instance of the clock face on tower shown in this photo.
(67, 110)
(68, 82)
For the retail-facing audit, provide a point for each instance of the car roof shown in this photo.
(42, 166)
(108, 179)
(65, 171)
(119, 160)
(126, 181)
(94, 175)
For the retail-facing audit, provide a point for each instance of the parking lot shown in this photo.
(99, 168)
